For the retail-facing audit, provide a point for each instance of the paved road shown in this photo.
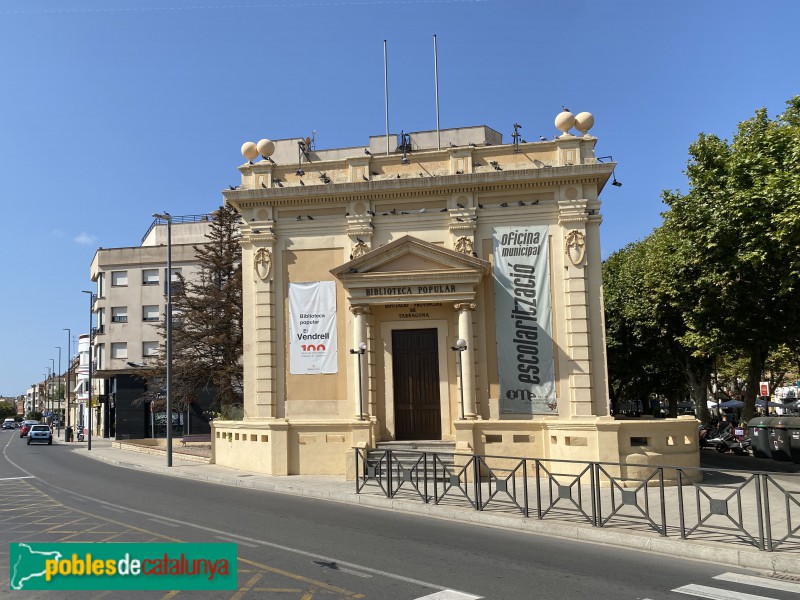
(294, 547)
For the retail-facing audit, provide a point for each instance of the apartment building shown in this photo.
(130, 303)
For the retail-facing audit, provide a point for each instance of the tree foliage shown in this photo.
(720, 277)
(7, 410)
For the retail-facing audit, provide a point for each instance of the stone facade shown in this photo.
(407, 235)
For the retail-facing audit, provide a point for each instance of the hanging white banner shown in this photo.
(523, 316)
(312, 328)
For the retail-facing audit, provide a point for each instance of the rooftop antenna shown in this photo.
(516, 136)
(386, 93)
(436, 80)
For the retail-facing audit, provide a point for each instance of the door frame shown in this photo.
(441, 326)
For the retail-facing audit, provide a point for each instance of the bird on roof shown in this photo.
(520, 203)
(564, 108)
(230, 187)
(421, 210)
(443, 210)
(359, 240)
(298, 218)
(504, 204)
(301, 182)
(459, 205)
(263, 184)
(459, 219)
(367, 151)
(480, 205)
(371, 213)
(365, 178)
(542, 138)
(393, 211)
(309, 217)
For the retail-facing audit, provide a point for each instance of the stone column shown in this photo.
(359, 336)
(467, 357)
(572, 218)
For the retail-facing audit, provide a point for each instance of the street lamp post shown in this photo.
(360, 351)
(166, 217)
(460, 346)
(59, 386)
(66, 388)
(51, 393)
(91, 338)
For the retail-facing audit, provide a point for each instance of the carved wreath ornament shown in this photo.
(360, 249)
(575, 247)
(463, 245)
(262, 263)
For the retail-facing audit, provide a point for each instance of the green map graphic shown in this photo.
(27, 563)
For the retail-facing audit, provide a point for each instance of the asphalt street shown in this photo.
(295, 547)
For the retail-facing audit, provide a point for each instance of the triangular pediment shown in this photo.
(411, 270)
(409, 254)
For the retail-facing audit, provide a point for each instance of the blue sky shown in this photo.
(111, 110)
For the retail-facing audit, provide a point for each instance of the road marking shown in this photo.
(774, 584)
(240, 538)
(227, 539)
(703, 591)
(12, 478)
(160, 522)
(449, 595)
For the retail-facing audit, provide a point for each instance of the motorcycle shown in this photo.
(731, 441)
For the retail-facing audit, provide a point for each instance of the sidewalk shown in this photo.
(560, 524)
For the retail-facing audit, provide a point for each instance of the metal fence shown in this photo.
(760, 509)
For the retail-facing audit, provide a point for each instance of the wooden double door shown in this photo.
(415, 369)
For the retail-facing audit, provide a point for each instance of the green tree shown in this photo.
(7, 410)
(644, 327)
(739, 229)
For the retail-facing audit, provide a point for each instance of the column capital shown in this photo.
(358, 309)
(464, 306)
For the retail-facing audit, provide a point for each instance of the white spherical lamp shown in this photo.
(249, 150)
(564, 122)
(584, 122)
(266, 147)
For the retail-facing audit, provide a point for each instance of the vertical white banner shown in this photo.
(312, 328)
(523, 315)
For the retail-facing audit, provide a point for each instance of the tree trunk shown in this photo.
(698, 374)
(753, 378)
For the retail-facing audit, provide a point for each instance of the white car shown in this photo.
(40, 433)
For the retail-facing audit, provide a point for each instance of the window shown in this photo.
(101, 319)
(150, 313)
(101, 285)
(119, 278)
(149, 349)
(149, 276)
(119, 314)
(119, 350)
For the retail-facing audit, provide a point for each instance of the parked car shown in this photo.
(9, 424)
(40, 433)
(25, 427)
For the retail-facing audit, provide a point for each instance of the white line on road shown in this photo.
(449, 595)
(227, 539)
(356, 573)
(773, 584)
(10, 478)
(160, 522)
(703, 591)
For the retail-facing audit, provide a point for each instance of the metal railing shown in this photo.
(756, 508)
